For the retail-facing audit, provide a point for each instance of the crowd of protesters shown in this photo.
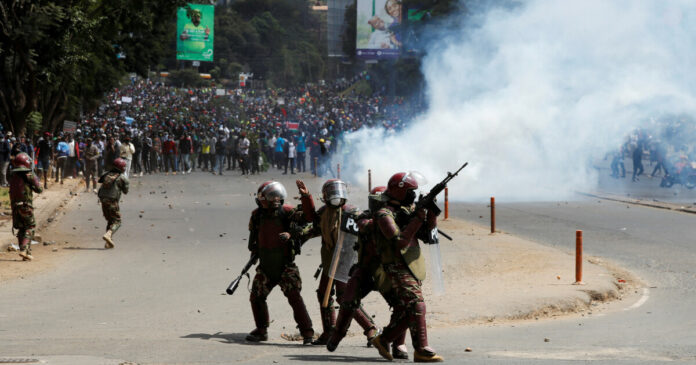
(668, 147)
(158, 128)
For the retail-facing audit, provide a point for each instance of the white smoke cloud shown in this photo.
(532, 94)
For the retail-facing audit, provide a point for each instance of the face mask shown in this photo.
(410, 198)
(335, 201)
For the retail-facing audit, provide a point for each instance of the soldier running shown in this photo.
(270, 239)
(23, 184)
(367, 275)
(326, 223)
(113, 183)
(398, 228)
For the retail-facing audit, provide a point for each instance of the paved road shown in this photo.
(647, 188)
(656, 244)
(158, 297)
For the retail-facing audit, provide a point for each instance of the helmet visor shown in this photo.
(415, 175)
(335, 190)
(274, 191)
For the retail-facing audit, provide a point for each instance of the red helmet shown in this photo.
(375, 200)
(271, 193)
(120, 164)
(377, 190)
(400, 184)
(21, 162)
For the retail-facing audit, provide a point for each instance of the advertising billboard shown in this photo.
(378, 29)
(195, 33)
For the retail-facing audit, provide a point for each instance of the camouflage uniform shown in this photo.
(23, 183)
(366, 276)
(112, 184)
(276, 267)
(326, 224)
(398, 231)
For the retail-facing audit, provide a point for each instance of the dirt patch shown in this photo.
(49, 248)
(502, 278)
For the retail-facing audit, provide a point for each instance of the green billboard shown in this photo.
(194, 32)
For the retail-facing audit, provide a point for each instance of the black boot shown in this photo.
(260, 311)
(328, 323)
(345, 316)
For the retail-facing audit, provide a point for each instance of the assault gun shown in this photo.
(235, 283)
(428, 201)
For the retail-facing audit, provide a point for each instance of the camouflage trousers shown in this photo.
(112, 214)
(290, 284)
(289, 281)
(408, 305)
(23, 220)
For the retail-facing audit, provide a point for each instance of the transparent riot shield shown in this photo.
(345, 255)
(435, 263)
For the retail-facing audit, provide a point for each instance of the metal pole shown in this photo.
(492, 215)
(369, 180)
(578, 257)
(315, 167)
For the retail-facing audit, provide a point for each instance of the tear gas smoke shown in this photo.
(532, 94)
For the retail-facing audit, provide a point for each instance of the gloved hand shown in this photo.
(422, 213)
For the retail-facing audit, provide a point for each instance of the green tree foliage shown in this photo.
(58, 56)
(187, 78)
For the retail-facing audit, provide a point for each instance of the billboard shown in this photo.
(194, 32)
(378, 29)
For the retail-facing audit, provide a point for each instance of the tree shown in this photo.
(57, 58)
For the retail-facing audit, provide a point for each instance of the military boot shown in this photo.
(382, 347)
(107, 237)
(419, 336)
(399, 350)
(328, 323)
(260, 311)
(25, 249)
(345, 316)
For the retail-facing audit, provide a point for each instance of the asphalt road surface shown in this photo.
(158, 297)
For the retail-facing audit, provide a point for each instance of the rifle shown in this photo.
(428, 201)
(235, 283)
(443, 234)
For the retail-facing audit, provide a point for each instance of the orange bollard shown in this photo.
(446, 202)
(369, 180)
(315, 167)
(492, 215)
(578, 258)
(338, 171)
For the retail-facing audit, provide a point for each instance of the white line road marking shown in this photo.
(641, 301)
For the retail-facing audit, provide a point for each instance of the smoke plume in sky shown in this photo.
(530, 95)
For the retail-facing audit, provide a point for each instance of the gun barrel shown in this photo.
(443, 234)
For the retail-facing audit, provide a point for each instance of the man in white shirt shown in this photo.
(126, 151)
(244, 153)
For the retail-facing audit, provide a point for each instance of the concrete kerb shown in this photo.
(47, 207)
(653, 204)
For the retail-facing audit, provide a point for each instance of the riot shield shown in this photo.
(345, 255)
(435, 263)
